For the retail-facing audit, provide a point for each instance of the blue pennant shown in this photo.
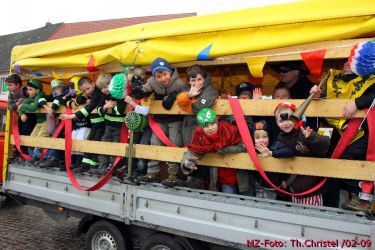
(203, 55)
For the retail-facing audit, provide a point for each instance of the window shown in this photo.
(3, 86)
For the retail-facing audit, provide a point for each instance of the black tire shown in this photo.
(161, 241)
(104, 233)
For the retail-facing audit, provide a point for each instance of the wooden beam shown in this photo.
(317, 108)
(334, 50)
(97, 147)
(346, 169)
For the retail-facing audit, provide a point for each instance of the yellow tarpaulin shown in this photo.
(204, 37)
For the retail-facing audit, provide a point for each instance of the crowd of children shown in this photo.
(201, 131)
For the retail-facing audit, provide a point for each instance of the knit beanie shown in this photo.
(160, 64)
(57, 83)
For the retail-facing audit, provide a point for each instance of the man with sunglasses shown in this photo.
(293, 74)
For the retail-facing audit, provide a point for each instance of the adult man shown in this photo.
(293, 74)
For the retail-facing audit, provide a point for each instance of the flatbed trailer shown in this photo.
(191, 218)
(181, 218)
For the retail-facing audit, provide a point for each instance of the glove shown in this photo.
(168, 100)
(232, 149)
(188, 167)
(136, 87)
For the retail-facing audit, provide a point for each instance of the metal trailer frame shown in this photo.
(232, 221)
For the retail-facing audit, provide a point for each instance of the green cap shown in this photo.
(35, 84)
(206, 115)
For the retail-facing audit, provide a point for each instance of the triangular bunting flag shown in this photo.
(314, 60)
(255, 65)
(63, 76)
(91, 65)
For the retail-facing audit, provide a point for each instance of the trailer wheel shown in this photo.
(103, 235)
(161, 242)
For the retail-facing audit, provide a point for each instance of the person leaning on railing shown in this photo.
(199, 93)
(15, 99)
(35, 101)
(165, 84)
(344, 84)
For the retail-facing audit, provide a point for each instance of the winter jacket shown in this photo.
(32, 104)
(205, 99)
(13, 98)
(314, 146)
(96, 100)
(175, 85)
(116, 117)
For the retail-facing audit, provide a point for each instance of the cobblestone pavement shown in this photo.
(28, 228)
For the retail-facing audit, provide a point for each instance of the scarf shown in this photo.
(226, 135)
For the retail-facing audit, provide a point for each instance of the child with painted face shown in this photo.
(295, 140)
(209, 137)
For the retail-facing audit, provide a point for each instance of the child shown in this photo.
(246, 178)
(297, 141)
(281, 91)
(166, 84)
(15, 99)
(32, 104)
(359, 91)
(94, 96)
(213, 136)
(142, 137)
(81, 128)
(52, 157)
(199, 93)
(113, 112)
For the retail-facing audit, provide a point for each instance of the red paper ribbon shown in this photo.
(55, 134)
(155, 127)
(16, 136)
(68, 158)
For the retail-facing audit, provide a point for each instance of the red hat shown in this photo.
(287, 105)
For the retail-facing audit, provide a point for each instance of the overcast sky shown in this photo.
(23, 15)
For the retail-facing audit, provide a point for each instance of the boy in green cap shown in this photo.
(209, 137)
(35, 101)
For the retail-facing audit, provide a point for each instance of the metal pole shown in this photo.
(130, 157)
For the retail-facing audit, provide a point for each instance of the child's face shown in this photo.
(13, 87)
(163, 77)
(87, 88)
(210, 128)
(245, 95)
(58, 90)
(281, 94)
(105, 90)
(261, 137)
(199, 80)
(286, 125)
(32, 91)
